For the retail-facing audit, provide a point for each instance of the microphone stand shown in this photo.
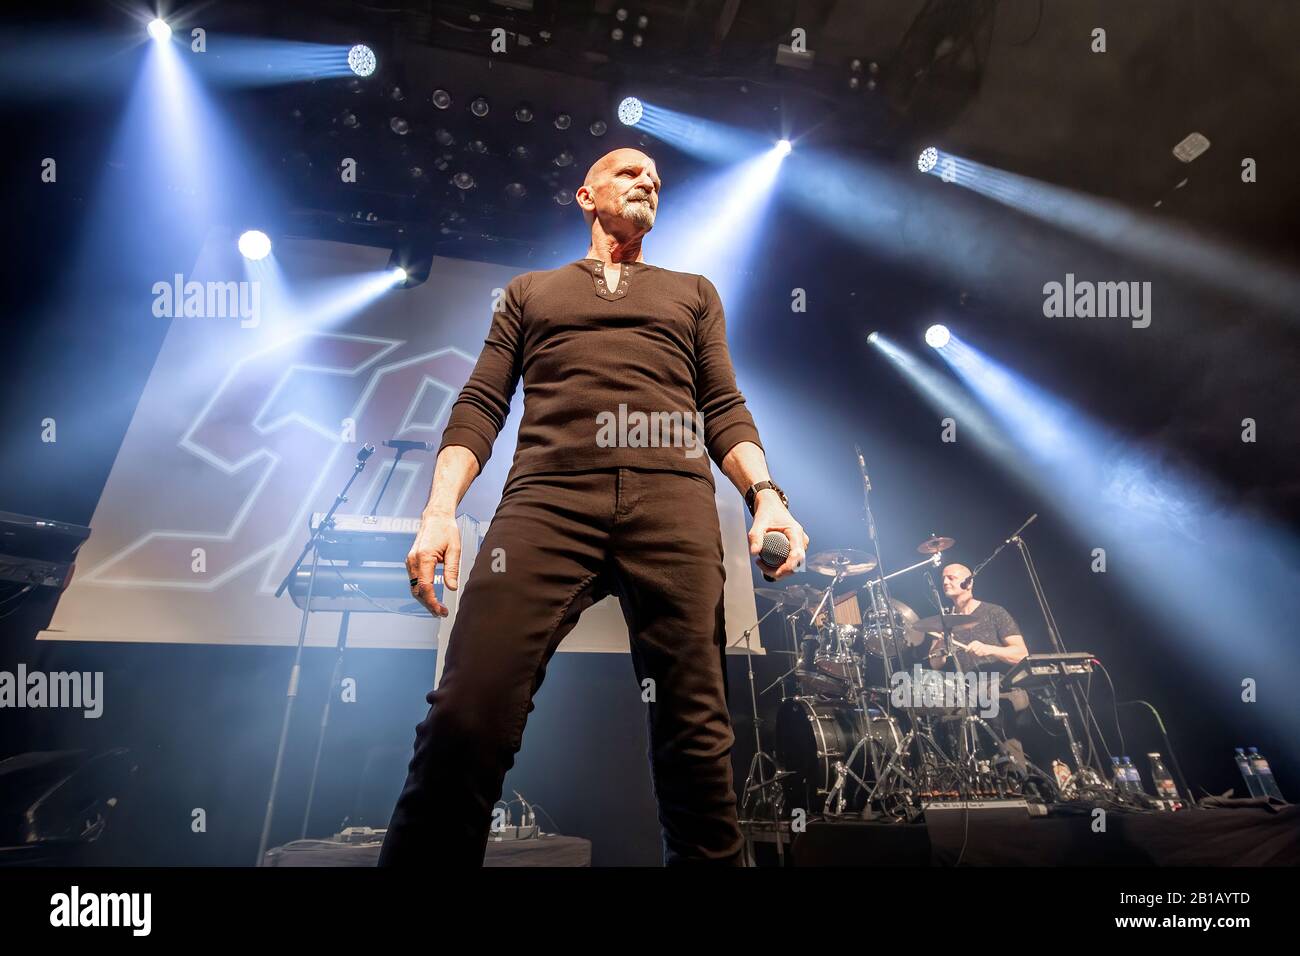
(887, 604)
(1089, 775)
(1015, 536)
(374, 509)
(1086, 774)
(336, 678)
(291, 694)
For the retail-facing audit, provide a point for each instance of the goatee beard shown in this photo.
(639, 213)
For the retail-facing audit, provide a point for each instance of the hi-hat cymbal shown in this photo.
(934, 545)
(848, 560)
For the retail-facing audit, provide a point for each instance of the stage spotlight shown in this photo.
(254, 245)
(159, 30)
(441, 99)
(783, 147)
(936, 336)
(362, 60)
(873, 337)
(629, 111)
(563, 197)
(597, 128)
(399, 275)
(479, 107)
(524, 113)
(563, 121)
(928, 159)
(463, 180)
(399, 125)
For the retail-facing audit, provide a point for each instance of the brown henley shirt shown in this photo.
(612, 377)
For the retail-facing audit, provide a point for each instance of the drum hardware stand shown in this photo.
(894, 772)
(922, 733)
(1086, 777)
(844, 768)
(828, 596)
(312, 547)
(794, 644)
(768, 788)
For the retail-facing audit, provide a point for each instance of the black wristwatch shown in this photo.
(751, 496)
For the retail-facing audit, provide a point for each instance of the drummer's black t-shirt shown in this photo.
(993, 625)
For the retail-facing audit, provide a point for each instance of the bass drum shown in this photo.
(813, 735)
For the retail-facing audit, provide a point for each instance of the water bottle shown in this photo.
(1162, 778)
(1248, 774)
(1264, 774)
(1134, 778)
(1121, 781)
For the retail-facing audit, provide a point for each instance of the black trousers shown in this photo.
(557, 544)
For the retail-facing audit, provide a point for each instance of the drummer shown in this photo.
(993, 641)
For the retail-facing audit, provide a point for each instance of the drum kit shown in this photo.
(847, 744)
(841, 744)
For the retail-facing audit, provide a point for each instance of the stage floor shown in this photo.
(1195, 837)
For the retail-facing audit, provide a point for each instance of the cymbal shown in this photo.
(935, 545)
(848, 560)
(935, 622)
(801, 595)
(902, 612)
(776, 595)
(795, 595)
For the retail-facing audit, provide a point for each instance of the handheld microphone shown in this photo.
(776, 548)
(403, 445)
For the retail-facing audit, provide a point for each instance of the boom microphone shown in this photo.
(402, 444)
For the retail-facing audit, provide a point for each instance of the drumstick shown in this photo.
(955, 642)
